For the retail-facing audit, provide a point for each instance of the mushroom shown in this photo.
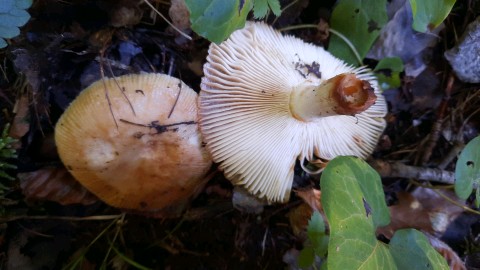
(133, 141)
(267, 100)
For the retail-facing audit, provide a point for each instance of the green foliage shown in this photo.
(215, 20)
(427, 15)
(317, 244)
(388, 72)
(354, 204)
(405, 246)
(6, 152)
(13, 14)
(360, 22)
(467, 171)
(260, 8)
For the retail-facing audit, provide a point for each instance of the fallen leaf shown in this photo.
(54, 184)
(452, 258)
(422, 209)
(179, 14)
(21, 122)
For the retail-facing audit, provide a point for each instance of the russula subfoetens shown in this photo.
(267, 100)
(139, 148)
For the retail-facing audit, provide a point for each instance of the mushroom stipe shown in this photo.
(267, 100)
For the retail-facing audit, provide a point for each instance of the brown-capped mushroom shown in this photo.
(267, 100)
(133, 141)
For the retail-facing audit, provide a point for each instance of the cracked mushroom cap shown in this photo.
(133, 141)
(267, 100)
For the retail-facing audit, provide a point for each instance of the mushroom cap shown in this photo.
(150, 157)
(245, 117)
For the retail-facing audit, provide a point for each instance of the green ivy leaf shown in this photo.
(467, 170)
(360, 21)
(405, 246)
(215, 20)
(354, 205)
(427, 15)
(317, 236)
(388, 72)
(13, 15)
(306, 257)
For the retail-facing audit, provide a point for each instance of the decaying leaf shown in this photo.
(452, 258)
(179, 14)
(299, 217)
(424, 210)
(21, 123)
(54, 184)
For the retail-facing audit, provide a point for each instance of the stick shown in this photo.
(398, 169)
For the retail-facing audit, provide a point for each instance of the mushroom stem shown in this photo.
(344, 94)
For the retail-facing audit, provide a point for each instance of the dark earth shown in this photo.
(69, 44)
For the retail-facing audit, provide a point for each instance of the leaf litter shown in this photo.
(58, 55)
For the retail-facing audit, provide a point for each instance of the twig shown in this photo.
(437, 126)
(89, 218)
(458, 146)
(166, 20)
(398, 169)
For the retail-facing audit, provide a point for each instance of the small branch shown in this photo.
(451, 155)
(398, 169)
(437, 125)
(89, 218)
(166, 20)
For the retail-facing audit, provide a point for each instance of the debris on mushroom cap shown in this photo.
(149, 156)
(260, 110)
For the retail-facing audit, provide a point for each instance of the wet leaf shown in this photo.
(346, 183)
(467, 170)
(360, 22)
(215, 20)
(12, 16)
(427, 15)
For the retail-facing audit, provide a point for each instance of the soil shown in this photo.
(67, 45)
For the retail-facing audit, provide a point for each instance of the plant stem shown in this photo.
(333, 31)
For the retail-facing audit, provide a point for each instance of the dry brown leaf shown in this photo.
(452, 258)
(179, 14)
(21, 123)
(312, 197)
(54, 184)
(423, 210)
(299, 218)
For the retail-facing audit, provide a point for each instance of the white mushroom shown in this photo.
(268, 100)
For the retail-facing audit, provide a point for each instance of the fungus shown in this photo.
(267, 100)
(137, 148)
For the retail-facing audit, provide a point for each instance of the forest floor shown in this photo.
(67, 45)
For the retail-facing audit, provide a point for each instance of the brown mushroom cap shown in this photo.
(150, 157)
(268, 100)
